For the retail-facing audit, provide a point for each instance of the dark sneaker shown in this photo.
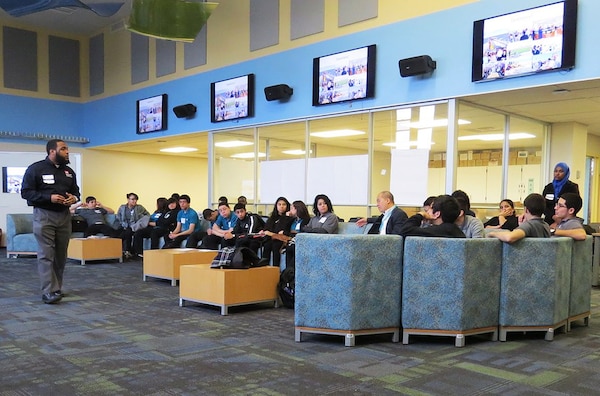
(51, 298)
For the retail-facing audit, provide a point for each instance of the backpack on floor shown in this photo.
(237, 258)
(286, 287)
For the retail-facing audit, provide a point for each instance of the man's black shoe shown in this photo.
(51, 298)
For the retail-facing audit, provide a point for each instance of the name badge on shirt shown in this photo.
(183, 220)
(298, 227)
(68, 174)
(48, 179)
(323, 220)
(550, 197)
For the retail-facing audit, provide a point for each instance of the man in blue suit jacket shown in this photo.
(391, 219)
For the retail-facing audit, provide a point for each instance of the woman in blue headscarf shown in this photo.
(559, 186)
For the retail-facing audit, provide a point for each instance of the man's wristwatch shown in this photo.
(552, 231)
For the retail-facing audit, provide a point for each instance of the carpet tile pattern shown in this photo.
(114, 334)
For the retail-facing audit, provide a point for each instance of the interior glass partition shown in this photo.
(409, 154)
(234, 154)
(481, 135)
(353, 157)
(281, 171)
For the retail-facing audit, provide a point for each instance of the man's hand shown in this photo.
(361, 222)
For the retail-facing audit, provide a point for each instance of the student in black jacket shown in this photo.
(442, 214)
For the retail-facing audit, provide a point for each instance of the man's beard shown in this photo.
(61, 160)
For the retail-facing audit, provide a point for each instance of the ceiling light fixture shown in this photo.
(295, 152)
(178, 150)
(442, 122)
(233, 143)
(337, 133)
(497, 136)
(411, 143)
(247, 155)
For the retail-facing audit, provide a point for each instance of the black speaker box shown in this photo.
(277, 92)
(417, 65)
(184, 111)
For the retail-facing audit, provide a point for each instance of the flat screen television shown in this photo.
(534, 40)
(152, 114)
(12, 178)
(344, 76)
(232, 99)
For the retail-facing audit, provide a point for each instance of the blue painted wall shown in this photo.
(446, 36)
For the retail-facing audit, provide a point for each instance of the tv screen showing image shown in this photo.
(344, 76)
(232, 99)
(152, 114)
(529, 41)
(12, 178)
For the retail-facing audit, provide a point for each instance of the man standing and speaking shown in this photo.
(51, 188)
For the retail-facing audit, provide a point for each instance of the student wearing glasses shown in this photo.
(565, 212)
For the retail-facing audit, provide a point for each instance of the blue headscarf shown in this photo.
(559, 184)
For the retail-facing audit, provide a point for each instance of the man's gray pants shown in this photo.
(52, 231)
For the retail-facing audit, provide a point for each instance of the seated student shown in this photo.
(247, 224)
(127, 215)
(391, 219)
(93, 212)
(324, 221)
(165, 223)
(426, 206)
(443, 213)
(531, 223)
(146, 232)
(506, 219)
(471, 226)
(187, 222)
(224, 224)
(278, 224)
(209, 215)
(463, 195)
(569, 225)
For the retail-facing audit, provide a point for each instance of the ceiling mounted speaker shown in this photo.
(417, 65)
(184, 111)
(278, 92)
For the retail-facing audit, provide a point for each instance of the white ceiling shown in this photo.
(573, 102)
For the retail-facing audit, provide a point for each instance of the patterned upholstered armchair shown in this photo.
(536, 278)
(581, 279)
(348, 285)
(19, 235)
(451, 287)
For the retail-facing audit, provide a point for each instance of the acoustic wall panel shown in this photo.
(307, 17)
(194, 54)
(97, 65)
(264, 24)
(140, 54)
(64, 66)
(19, 58)
(353, 11)
(165, 57)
